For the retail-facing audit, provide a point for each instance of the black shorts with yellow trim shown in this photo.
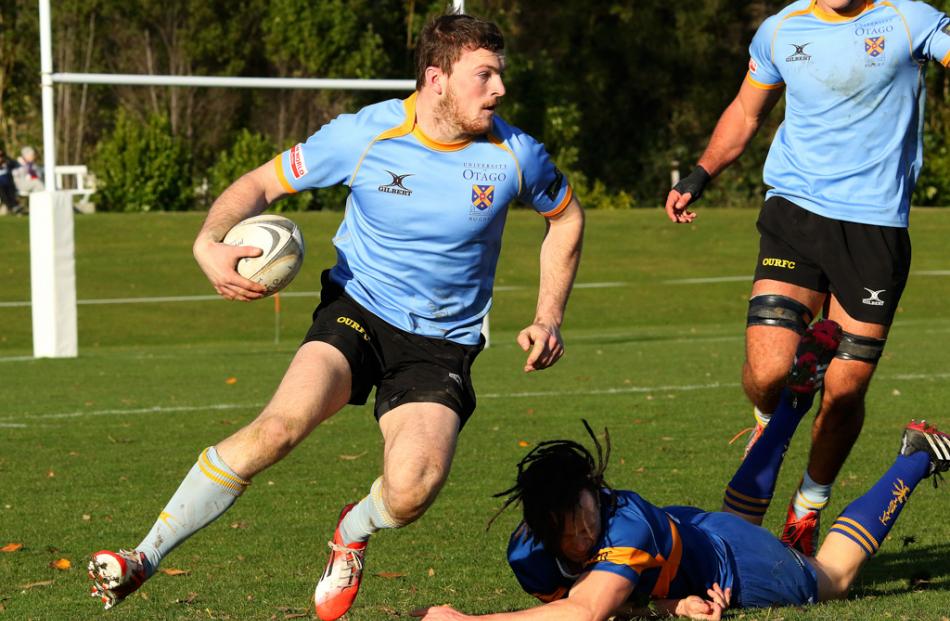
(404, 367)
(865, 266)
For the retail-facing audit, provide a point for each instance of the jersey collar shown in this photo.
(829, 16)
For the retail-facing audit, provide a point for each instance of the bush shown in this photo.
(142, 167)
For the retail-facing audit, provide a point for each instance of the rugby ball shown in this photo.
(282, 243)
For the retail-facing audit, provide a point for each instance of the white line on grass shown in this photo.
(158, 409)
(289, 294)
(316, 294)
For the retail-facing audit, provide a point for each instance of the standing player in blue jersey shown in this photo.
(842, 170)
(590, 552)
(430, 178)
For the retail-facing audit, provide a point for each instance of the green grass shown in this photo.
(91, 448)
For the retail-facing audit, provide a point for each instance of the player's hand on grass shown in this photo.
(545, 344)
(710, 609)
(438, 613)
(219, 263)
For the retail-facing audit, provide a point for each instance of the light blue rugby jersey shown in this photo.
(850, 147)
(422, 232)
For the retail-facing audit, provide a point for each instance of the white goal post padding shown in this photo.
(53, 275)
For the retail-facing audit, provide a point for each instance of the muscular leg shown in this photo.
(770, 349)
(841, 416)
(315, 386)
(419, 443)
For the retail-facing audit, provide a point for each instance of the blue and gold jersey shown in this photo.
(664, 553)
(850, 147)
(422, 232)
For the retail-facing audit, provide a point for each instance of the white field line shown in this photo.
(289, 294)
(316, 294)
(7, 421)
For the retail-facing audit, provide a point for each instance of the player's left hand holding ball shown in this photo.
(545, 344)
(218, 260)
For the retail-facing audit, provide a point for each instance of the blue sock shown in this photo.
(750, 491)
(867, 520)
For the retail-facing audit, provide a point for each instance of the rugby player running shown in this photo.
(842, 169)
(431, 178)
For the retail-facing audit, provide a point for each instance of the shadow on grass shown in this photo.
(916, 569)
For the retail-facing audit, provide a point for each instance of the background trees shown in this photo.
(621, 91)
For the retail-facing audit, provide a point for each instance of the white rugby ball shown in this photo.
(282, 243)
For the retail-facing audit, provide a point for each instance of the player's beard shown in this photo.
(450, 112)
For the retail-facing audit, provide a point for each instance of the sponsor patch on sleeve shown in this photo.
(753, 67)
(554, 188)
(298, 168)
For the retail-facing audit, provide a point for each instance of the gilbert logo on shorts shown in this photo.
(346, 321)
(874, 297)
(782, 263)
(396, 187)
(298, 167)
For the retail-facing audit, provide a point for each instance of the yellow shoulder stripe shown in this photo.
(763, 85)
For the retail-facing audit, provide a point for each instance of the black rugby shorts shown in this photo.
(865, 266)
(404, 367)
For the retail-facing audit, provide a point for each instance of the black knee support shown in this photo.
(863, 348)
(778, 311)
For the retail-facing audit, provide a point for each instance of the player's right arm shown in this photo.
(760, 91)
(735, 129)
(246, 197)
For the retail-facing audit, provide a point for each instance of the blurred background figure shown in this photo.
(8, 189)
(28, 176)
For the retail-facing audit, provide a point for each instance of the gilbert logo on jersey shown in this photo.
(799, 54)
(396, 186)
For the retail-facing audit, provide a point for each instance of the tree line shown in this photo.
(620, 91)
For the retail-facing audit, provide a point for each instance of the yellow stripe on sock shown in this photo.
(758, 501)
(222, 482)
(802, 501)
(222, 473)
(376, 496)
(855, 536)
(861, 528)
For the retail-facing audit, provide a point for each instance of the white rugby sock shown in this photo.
(207, 491)
(811, 496)
(368, 516)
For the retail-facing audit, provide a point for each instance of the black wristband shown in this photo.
(694, 183)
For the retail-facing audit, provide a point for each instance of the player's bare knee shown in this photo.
(407, 497)
(277, 435)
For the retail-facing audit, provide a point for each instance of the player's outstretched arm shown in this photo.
(560, 255)
(595, 597)
(736, 127)
(246, 197)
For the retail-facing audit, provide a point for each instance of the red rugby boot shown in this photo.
(340, 583)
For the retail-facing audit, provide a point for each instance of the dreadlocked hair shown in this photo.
(550, 480)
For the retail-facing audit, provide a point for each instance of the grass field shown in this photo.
(91, 448)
